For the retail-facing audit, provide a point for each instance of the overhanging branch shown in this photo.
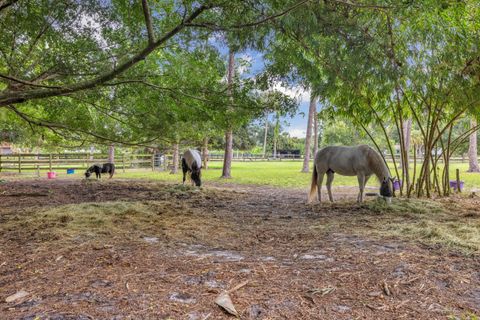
(10, 98)
(58, 126)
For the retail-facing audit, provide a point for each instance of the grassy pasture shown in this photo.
(279, 174)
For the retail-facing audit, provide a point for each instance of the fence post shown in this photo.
(153, 162)
(50, 162)
(19, 163)
(0, 163)
(123, 162)
(458, 181)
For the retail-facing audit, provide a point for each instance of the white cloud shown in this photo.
(294, 92)
(245, 65)
(297, 132)
(248, 58)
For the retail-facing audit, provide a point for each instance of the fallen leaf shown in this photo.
(20, 294)
(224, 301)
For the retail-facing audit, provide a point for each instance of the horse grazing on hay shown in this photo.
(192, 162)
(98, 170)
(361, 161)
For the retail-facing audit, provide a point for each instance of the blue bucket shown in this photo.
(70, 171)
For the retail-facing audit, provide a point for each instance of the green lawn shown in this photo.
(282, 174)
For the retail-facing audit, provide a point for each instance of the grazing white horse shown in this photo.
(361, 161)
(192, 162)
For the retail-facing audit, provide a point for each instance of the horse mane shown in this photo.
(377, 164)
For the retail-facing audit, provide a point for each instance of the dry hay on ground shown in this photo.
(145, 250)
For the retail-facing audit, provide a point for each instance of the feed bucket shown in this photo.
(453, 184)
(397, 184)
(51, 175)
(70, 171)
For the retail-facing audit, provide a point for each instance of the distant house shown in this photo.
(6, 148)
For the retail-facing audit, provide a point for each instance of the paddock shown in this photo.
(130, 248)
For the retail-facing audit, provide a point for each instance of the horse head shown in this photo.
(386, 188)
(195, 176)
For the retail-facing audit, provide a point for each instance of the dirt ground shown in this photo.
(146, 250)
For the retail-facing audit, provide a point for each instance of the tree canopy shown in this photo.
(154, 73)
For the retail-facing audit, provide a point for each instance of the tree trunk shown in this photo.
(472, 149)
(111, 154)
(227, 158)
(205, 153)
(175, 159)
(407, 137)
(276, 132)
(315, 132)
(265, 137)
(308, 136)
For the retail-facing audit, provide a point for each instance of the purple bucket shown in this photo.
(397, 184)
(453, 184)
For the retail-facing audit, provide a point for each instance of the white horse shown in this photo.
(361, 161)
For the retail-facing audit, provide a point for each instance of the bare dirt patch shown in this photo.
(146, 250)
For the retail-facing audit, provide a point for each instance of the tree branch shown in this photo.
(142, 82)
(10, 98)
(148, 22)
(250, 24)
(53, 126)
(358, 5)
(27, 83)
(4, 4)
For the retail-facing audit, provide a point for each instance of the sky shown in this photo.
(297, 125)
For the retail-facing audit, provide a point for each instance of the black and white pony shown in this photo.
(106, 168)
(192, 162)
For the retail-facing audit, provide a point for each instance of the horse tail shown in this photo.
(313, 188)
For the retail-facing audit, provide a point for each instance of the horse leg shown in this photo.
(184, 169)
(319, 185)
(330, 176)
(362, 180)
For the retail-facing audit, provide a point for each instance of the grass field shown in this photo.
(280, 174)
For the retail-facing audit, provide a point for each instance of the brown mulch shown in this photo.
(297, 267)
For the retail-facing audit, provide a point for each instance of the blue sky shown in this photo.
(298, 124)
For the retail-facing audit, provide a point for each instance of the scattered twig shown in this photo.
(386, 288)
(244, 283)
(322, 291)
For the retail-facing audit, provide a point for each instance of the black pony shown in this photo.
(106, 168)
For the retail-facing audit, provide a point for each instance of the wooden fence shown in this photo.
(81, 161)
(21, 162)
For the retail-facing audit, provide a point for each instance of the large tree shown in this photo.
(308, 134)
(77, 58)
(472, 149)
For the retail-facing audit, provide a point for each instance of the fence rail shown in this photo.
(34, 162)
